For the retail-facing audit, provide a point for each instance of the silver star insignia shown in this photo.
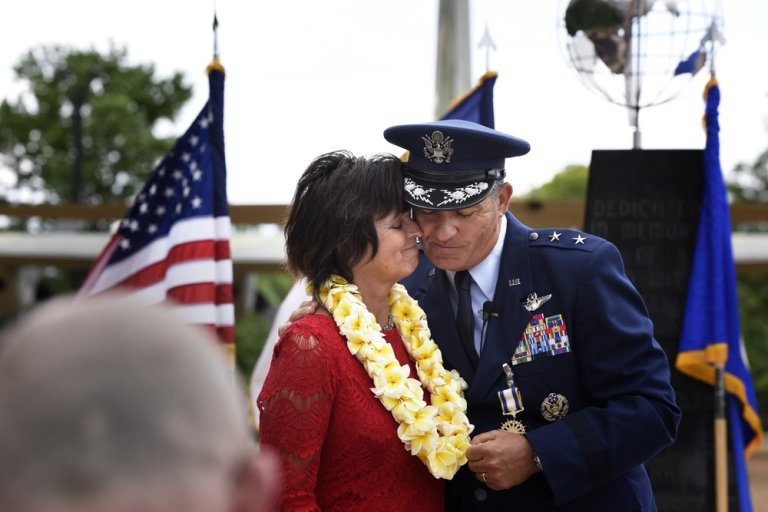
(554, 237)
(579, 240)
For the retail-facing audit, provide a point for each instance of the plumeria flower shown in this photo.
(438, 434)
(423, 445)
(458, 378)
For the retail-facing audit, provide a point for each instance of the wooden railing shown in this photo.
(534, 214)
(566, 214)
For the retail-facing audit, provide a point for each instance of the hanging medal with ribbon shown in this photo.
(511, 403)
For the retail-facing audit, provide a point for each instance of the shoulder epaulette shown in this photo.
(564, 238)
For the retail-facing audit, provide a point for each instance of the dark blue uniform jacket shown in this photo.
(591, 343)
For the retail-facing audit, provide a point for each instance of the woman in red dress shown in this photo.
(356, 401)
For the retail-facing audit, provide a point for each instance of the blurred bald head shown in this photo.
(106, 404)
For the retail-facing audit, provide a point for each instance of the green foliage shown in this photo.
(274, 287)
(251, 332)
(88, 104)
(753, 298)
(750, 182)
(568, 184)
(750, 185)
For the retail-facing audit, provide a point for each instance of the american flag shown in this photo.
(173, 244)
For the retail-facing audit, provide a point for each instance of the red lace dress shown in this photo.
(338, 444)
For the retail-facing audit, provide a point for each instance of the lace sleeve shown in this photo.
(295, 406)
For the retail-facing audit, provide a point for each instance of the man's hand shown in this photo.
(501, 459)
(305, 308)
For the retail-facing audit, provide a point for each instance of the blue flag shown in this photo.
(475, 105)
(692, 64)
(710, 332)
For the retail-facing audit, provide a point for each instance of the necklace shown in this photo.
(438, 434)
(390, 323)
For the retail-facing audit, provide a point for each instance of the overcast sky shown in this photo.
(309, 76)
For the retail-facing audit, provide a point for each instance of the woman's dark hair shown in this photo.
(331, 221)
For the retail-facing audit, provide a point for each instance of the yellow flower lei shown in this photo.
(438, 434)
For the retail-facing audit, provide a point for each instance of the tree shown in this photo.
(750, 181)
(570, 184)
(83, 129)
(749, 184)
(753, 300)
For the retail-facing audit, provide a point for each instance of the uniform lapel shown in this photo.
(436, 304)
(505, 330)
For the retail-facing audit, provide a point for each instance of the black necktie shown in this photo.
(464, 317)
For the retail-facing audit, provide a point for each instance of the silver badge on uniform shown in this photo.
(554, 407)
(533, 302)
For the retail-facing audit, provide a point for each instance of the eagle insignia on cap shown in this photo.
(437, 148)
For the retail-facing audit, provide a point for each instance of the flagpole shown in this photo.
(721, 425)
(721, 422)
(215, 63)
(453, 68)
(486, 43)
(710, 344)
(215, 36)
(721, 446)
(215, 102)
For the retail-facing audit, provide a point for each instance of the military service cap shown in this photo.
(452, 164)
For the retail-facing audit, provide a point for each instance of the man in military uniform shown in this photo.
(568, 390)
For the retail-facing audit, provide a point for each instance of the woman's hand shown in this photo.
(305, 308)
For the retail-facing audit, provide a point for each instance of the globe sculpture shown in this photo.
(639, 53)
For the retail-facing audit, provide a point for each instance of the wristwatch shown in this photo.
(537, 461)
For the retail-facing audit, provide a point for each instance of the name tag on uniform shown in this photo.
(544, 337)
